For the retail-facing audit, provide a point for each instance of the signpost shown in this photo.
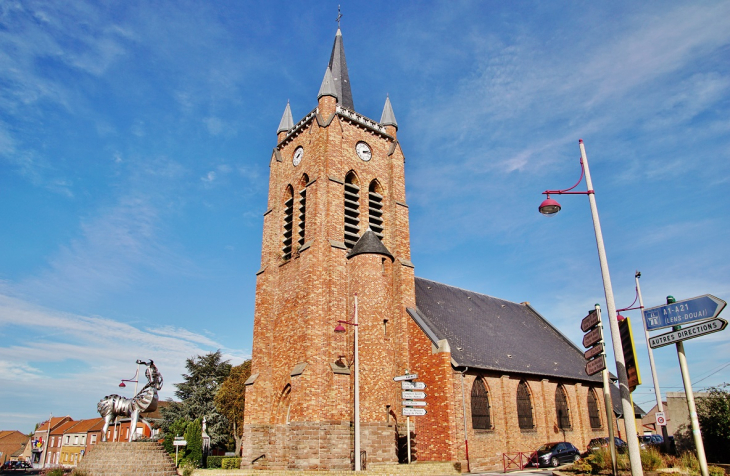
(593, 351)
(411, 399)
(697, 330)
(590, 321)
(683, 312)
(596, 365)
(405, 377)
(177, 443)
(410, 395)
(593, 337)
(414, 403)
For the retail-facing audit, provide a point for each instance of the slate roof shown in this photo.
(369, 243)
(488, 333)
(388, 117)
(287, 122)
(338, 66)
(618, 408)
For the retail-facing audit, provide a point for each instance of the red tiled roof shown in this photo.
(84, 426)
(61, 429)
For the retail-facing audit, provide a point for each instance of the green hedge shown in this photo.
(231, 463)
(215, 461)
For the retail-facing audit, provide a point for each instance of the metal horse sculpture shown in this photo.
(146, 400)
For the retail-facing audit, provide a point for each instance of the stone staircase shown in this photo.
(122, 459)
(421, 468)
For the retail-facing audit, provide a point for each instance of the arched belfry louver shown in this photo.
(288, 222)
(352, 210)
(375, 208)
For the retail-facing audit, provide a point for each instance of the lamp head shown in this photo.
(122, 385)
(620, 318)
(340, 329)
(549, 207)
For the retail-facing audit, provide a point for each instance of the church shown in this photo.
(499, 378)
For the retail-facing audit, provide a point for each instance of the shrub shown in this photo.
(599, 460)
(688, 460)
(715, 471)
(215, 461)
(54, 472)
(651, 459)
(188, 469)
(581, 466)
(231, 463)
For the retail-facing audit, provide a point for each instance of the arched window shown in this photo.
(524, 407)
(593, 414)
(481, 418)
(352, 210)
(288, 219)
(562, 409)
(285, 404)
(302, 225)
(375, 208)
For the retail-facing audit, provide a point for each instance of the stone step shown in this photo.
(421, 468)
(127, 459)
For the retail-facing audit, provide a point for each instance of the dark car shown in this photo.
(554, 454)
(647, 441)
(597, 444)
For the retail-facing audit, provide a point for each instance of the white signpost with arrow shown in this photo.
(411, 398)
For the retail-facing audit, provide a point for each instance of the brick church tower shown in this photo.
(336, 227)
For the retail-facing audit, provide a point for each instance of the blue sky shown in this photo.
(135, 140)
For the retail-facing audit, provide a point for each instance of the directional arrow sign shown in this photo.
(414, 403)
(683, 312)
(405, 377)
(414, 411)
(407, 395)
(697, 330)
(590, 321)
(405, 385)
(592, 337)
(593, 351)
(595, 365)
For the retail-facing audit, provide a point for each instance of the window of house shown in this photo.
(68, 438)
(593, 413)
(288, 222)
(93, 439)
(302, 224)
(76, 440)
(562, 409)
(352, 210)
(375, 208)
(524, 407)
(481, 418)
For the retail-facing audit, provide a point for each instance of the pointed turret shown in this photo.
(338, 66)
(327, 97)
(387, 119)
(287, 122)
(369, 244)
(328, 85)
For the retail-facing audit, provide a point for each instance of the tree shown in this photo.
(713, 413)
(176, 429)
(194, 438)
(231, 400)
(197, 396)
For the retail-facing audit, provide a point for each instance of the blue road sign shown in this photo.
(683, 312)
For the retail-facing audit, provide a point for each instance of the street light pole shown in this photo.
(340, 329)
(618, 353)
(358, 463)
(655, 379)
(549, 207)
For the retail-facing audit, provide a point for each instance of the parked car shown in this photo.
(602, 443)
(554, 454)
(647, 441)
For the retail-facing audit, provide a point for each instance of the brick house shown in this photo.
(12, 444)
(336, 233)
(41, 439)
(75, 441)
(53, 455)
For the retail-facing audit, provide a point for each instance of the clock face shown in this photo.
(298, 154)
(363, 151)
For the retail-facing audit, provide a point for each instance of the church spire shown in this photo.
(338, 66)
(388, 117)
